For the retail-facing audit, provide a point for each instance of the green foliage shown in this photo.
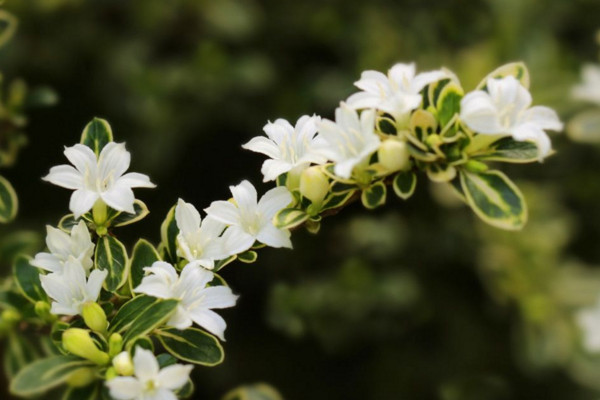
(111, 255)
(8, 201)
(374, 196)
(97, 134)
(168, 234)
(27, 278)
(144, 255)
(289, 218)
(404, 184)
(516, 69)
(192, 345)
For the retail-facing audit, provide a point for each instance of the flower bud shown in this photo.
(10, 316)
(78, 341)
(94, 317)
(123, 364)
(115, 344)
(314, 184)
(476, 166)
(42, 309)
(110, 373)
(394, 156)
(81, 377)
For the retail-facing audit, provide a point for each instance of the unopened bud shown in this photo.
(314, 184)
(123, 364)
(394, 156)
(81, 377)
(476, 166)
(10, 317)
(94, 317)
(110, 373)
(115, 344)
(42, 309)
(78, 341)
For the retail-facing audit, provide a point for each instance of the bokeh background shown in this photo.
(418, 300)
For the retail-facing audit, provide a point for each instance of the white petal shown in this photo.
(160, 394)
(210, 321)
(82, 157)
(155, 286)
(402, 74)
(180, 319)
(82, 201)
(425, 78)
(236, 241)
(274, 237)
(244, 195)
(544, 117)
(48, 262)
(174, 376)
(276, 131)
(223, 211)
(187, 217)
(211, 228)
(136, 180)
(120, 197)
(271, 169)
(145, 364)
(94, 284)
(125, 388)
(65, 176)
(364, 100)
(261, 144)
(344, 169)
(218, 297)
(58, 241)
(530, 132)
(192, 276)
(479, 113)
(113, 160)
(273, 201)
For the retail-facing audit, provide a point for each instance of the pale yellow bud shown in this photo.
(123, 364)
(314, 184)
(81, 377)
(394, 156)
(94, 317)
(115, 344)
(78, 341)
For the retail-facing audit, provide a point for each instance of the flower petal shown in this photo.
(274, 237)
(544, 117)
(218, 297)
(223, 211)
(187, 217)
(82, 201)
(82, 157)
(47, 262)
(211, 321)
(273, 201)
(113, 161)
(244, 195)
(174, 376)
(120, 197)
(135, 180)
(236, 240)
(65, 176)
(145, 364)
(125, 388)
(261, 144)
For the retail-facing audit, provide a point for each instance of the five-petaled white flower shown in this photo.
(588, 320)
(101, 177)
(288, 147)
(250, 219)
(349, 140)
(70, 290)
(62, 245)
(397, 94)
(200, 240)
(589, 89)
(149, 381)
(504, 109)
(196, 300)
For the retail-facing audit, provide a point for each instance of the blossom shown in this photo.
(397, 93)
(589, 89)
(71, 290)
(588, 320)
(199, 240)
(94, 178)
(287, 146)
(504, 109)
(251, 220)
(149, 381)
(349, 140)
(196, 300)
(62, 245)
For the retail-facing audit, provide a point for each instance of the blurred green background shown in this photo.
(416, 301)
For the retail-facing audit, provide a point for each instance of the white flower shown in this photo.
(71, 290)
(288, 147)
(349, 140)
(101, 177)
(196, 300)
(149, 382)
(199, 240)
(250, 219)
(504, 109)
(589, 89)
(397, 93)
(62, 245)
(588, 320)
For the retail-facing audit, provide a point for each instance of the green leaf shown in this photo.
(97, 134)
(248, 257)
(18, 353)
(404, 184)
(222, 263)
(289, 218)
(441, 172)
(27, 278)
(495, 199)
(17, 243)
(192, 345)
(45, 374)
(125, 218)
(12, 300)
(129, 312)
(337, 200)
(338, 187)
(168, 234)
(9, 203)
(149, 319)
(258, 391)
(512, 151)
(144, 342)
(186, 390)
(89, 392)
(111, 255)
(448, 103)
(143, 255)
(422, 124)
(374, 196)
(585, 127)
(67, 223)
(516, 69)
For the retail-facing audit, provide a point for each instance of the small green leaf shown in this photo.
(495, 199)
(45, 374)
(192, 345)
(186, 390)
(129, 312)
(516, 69)
(338, 187)
(168, 234)
(149, 319)
(421, 154)
(441, 172)
(144, 342)
(422, 124)
(18, 353)
(143, 255)
(248, 257)
(9, 203)
(434, 90)
(374, 196)
(111, 255)
(27, 278)
(125, 218)
(67, 223)
(337, 200)
(289, 218)
(448, 103)
(222, 263)
(97, 134)
(404, 184)
(511, 151)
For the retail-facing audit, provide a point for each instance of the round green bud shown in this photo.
(42, 309)
(78, 341)
(115, 344)
(123, 364)
(10, 316)
(394, 156)
(94, 317)
(314, 184)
